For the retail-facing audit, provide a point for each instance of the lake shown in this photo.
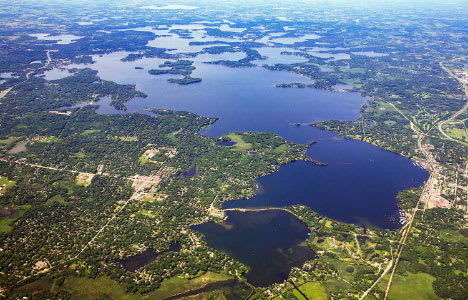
(244, 99)
(359, 185)
(270, 242)
(137, 261)
(361, 189)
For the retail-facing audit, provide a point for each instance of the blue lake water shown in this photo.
(244, 99)
(190, 173)
(226, 144)
(137, 261)
(269, 242)
(359, 185)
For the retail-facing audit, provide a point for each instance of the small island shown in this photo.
(180, 67)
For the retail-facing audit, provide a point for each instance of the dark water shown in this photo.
(226, 144)
(359, 185)
(244, 99)
(134, 262)
(190, 173)
(269, 242)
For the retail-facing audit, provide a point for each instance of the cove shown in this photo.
(359, 185)
(134, 262)
(270, 242)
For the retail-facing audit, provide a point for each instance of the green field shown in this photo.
(5, 222)
(281, 149)
(177, 285)
(90, 131)
(128, 138)
(56, 199)
(413, 286)
(457, 133)
(5, 184)
(313, 290)
(82, 288)
(453, 236)
(241, 144)
(10, 140)
(85, 288)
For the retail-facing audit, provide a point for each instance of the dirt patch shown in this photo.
(4, 92)
(40, 265)
(166, 151)
(64, 113)
(84, 179)
(20, 147)
(150, 153)
(437, 201)
(144, 186)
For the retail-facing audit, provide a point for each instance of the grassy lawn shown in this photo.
(128, 138)
(82, 288)
(5, 184)
(86, 288)
(143, 159)
(80, 154)
(177, 285)
(146, 213)
(5, 222)
(58, 199)
(173, 135)
(414, 286)
(453, 236)
(457, 133)
(333, 285)
(352, 70)
(281, 149)
(241, 144)
(10, 140)
(90, 131)
(38, 285)
(47, 139)
(313, 290)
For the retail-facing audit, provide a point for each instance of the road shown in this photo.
(432, 166)
(46, 65)
(459, 112)
(377, 281)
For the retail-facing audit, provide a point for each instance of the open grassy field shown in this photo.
(90, 131)
(10, 140)
(177, 285)
(6, 222)
(313, 290)
(56, 199)
(453, 236)
(90, 289)
(128, 138)
(241, 144)
(281, 149)
(85, 288)
(5, 184)
(457, 133)
(413, 286)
